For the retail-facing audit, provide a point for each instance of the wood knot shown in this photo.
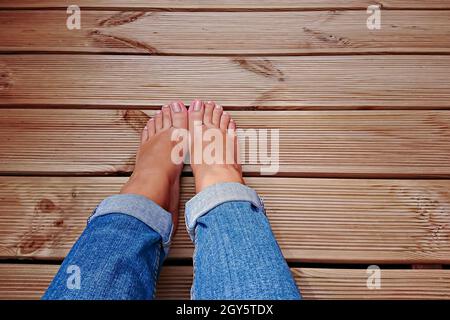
(122, 18)
(32, 242)
(58, 223)
(5, 80)
(46, 206)
(124, 42)
(328, 38)
(136, 119)
(45, 227)
(263, 67)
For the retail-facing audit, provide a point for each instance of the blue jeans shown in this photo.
(120, 253)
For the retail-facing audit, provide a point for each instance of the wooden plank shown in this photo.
(399, 81)
(229, 4)
(21, 281)
(311, 143)
(29, 282)
(314, 220)
(240, 33)
(352, 284)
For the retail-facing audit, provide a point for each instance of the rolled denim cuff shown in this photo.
(214, 196)
(142, 209)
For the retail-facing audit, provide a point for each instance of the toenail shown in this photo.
(176, 107)
(197, 105)
(218, 106)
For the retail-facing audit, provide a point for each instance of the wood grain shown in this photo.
(352, 284)
(399, 81)
(314, 220)
(246, 54)
(241, 33)
(19, 281)
(229, 4)
(311, 143)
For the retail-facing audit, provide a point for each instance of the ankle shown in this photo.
(153, 187)
(217, 174)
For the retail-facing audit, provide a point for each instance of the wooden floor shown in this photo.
(364, 120)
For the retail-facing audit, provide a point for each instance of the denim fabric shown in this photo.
(141, 208)
(236, 255)
(214, 196)
(120, 253)
(118, 257)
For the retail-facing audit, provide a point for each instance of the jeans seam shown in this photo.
(193, 268)
(155, 272)
(263, 206)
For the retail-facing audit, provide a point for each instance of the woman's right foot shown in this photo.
(218, 166)
(156, 175)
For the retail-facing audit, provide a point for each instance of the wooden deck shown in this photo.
(364, 120)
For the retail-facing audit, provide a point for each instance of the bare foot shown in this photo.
(208, 120)
(156, 176)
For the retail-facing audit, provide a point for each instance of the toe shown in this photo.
(209, 108)
(217, 114)
(144, 135)
(196, 111)
(179, 115)
(166, 117)
(158, 121)
(232, 126)
(224, 121)
(151, 127)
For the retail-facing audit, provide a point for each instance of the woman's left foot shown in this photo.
(157, 174)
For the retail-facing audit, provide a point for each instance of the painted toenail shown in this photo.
(197, 105)
(176, 107)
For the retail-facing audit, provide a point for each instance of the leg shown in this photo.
(120, 253)
(116, 257)
(236, 255)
